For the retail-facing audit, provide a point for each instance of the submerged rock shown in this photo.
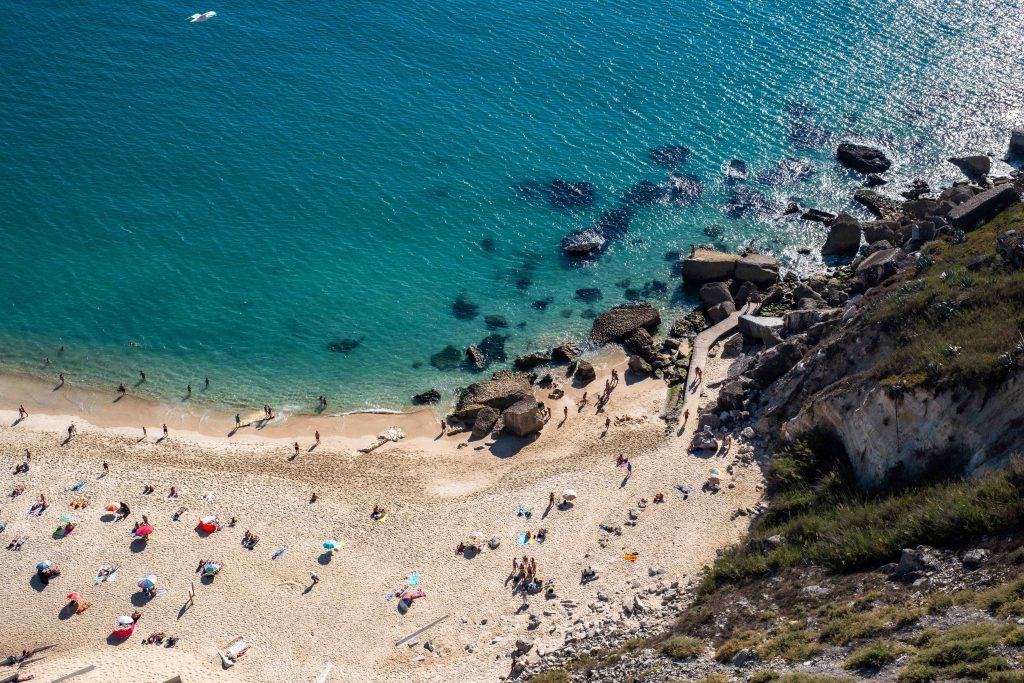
(566, 194)
(475, 357)
(495, 322)
(735, 170)
(447, 358)
(786, 172)
(614, 224)
(493, 347)
(880, 205)
(464, 309)
(487, 244)
(670, 156)
(686, 188)
(542, 304)
(645, 192)
(532, 360)
(589, 294)
(565, 352)
(345, 345)
(862, 158)
(744, 202)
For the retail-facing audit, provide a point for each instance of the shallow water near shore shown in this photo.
(289, 201)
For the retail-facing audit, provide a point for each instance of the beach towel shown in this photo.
(279, 552)
(685, 490)
(77, 487)
(632, 557)
(35, 510)
(524, 512)
(109, 577)
(414, 579)
(521, 537)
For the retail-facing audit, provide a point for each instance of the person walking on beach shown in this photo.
(106, 468)
(296, 449)
(314, 577)
(699, 373)
(72, 430)
(607, 423)
(316, 435)
(60, 375)
(22, 413)
(686, 416)
(565, 413)
(144, 434)
(238, 420)
(165, 430)
(121, 390)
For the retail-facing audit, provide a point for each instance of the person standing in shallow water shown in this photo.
(207, 384)
(189, 389)
(142, 376)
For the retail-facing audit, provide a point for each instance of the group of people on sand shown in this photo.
(249, 540)
(524, 572)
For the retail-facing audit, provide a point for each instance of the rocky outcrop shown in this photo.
(843, 236)
(713, 293)
(620, 322)
(757, 268)
(475, 357)
(973, 166)
(496, 393)
(428, 396)
(880, 266)
(707, 265)
(1010, 245)
(639, 366)
(524, 417)
(983, 207)
(485, 420)
(532, 360)
(879, 205)
(776, 361)
(862, 158)
(565, 352)
(801, 321)
(1017, 142)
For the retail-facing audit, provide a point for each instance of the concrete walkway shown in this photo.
(698, 357)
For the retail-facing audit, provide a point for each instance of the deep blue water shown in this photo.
(239, 194)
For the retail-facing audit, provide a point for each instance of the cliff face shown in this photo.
(921, 432)
(924, 374)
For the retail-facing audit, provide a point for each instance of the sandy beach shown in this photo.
(436, 494)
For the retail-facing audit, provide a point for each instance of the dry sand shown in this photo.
(437, 494)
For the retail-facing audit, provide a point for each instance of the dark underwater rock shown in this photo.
(447, 358)
(345, 345)
(589, 294)
(464, 309)
(670, 156)
(566, 194)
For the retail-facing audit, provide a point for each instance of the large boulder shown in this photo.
(566, 352)
(485, 421)
(496, 393)
(878, 231)
(524, 417)
(642, 344)
(1010, 246)
(732, 396)
(757, 268)
(585, 372)
(639, 366)
(1017, 141)
(620, 322)
(973, 166)
(881, 206)
(983, 207)
(843, 236)
(764, 329)
(476, 357)
(720, 312)
(583, 242)
(800, 321)
(776, 361)
(880, 266)
(708, 265)
(532, 360)
(713, 293)
(862, 158)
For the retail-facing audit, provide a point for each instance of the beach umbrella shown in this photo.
(67, 519)
(569, 494)
(144, 530)
(124, 620)
(45, 564)
(714, 472)
(147, 582)
(111, 507)
(211, 568)
(330, 544)
(74, 596)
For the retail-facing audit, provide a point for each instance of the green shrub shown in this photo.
(763, 676)
(966, 651)
(792, 644)
(553, 676)
(748, 639)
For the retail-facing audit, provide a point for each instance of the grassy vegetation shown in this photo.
(812, 678)
(826, 522)
(763, 676)
(553, 676)
(967, 651)
(744, 640)
(952, 324)
(681, 647)
(875, 655)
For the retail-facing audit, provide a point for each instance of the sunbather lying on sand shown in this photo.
(16, 543)
(17, 491)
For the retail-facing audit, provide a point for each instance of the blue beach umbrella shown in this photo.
(45, 564)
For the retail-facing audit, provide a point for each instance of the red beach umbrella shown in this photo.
(144, 530)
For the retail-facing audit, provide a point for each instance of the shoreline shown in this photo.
(53, 408)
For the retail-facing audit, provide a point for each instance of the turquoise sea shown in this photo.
(238, 195)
